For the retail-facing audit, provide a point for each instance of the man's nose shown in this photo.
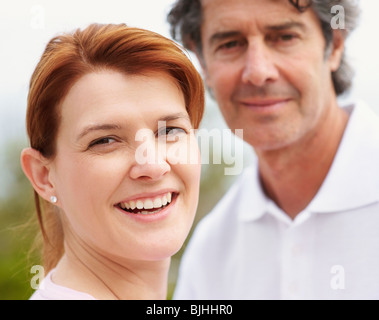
(259, 65)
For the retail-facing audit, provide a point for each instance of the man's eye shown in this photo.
(287, 37)
(231, 45)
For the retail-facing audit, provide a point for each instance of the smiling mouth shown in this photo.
(148, 206)
(264, 103)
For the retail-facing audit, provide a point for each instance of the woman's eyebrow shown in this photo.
(175, 116)
(98, 127)
(113, 126)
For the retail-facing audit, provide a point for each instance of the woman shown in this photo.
(111, 220)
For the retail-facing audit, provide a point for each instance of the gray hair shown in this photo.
(185, 19)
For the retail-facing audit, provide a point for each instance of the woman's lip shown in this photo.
(152, 216)
(149, 195)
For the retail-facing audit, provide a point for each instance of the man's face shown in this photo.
(266, 65)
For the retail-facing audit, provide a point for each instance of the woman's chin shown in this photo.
(163, 250)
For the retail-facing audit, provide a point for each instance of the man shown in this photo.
(304, 222)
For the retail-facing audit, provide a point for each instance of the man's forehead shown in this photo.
(300, 3)
(217, 9)
(206, 3)
(226, 15)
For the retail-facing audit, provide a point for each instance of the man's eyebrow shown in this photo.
(220, 36)
(286, 26)
(98, 127)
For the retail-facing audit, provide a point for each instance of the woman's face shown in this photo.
(116, 173)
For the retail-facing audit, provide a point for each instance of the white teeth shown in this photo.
(139, 204)
(157, 203)
(148, 204)
(148, 212)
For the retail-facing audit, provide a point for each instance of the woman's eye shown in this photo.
(102, 141)
(170, 133)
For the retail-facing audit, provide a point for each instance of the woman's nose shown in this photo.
(150, 161)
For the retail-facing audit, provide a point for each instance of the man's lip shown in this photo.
(263, 102)
(148, 195)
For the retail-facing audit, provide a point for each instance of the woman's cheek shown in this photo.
(184, 151)
(90, 177)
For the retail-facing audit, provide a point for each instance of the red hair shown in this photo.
(70, 56)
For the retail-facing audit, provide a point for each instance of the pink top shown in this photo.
(48, 290)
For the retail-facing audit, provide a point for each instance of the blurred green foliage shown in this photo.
(16, 233)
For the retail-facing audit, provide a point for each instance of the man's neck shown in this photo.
(292, 176)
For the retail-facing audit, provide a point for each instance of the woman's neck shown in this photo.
(106, 278)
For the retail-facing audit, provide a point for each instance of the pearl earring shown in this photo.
(53, 199)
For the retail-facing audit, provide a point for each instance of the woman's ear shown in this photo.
(35, 167)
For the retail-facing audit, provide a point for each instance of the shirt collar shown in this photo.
(352, 181)
(252, 202)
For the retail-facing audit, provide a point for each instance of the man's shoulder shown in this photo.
(361, 137)
(364, 142)
(364, 119)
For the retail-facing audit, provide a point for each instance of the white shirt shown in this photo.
(48, 290)
(248, 248)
